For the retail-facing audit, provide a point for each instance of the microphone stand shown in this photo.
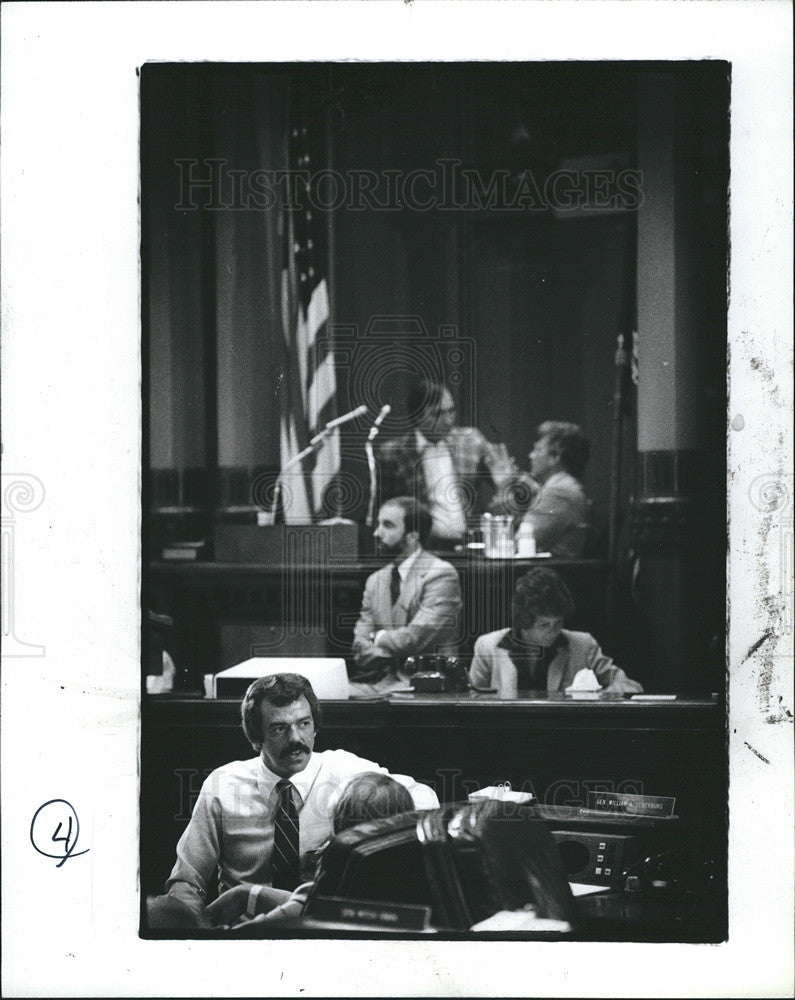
(269, 518)
(368, 447)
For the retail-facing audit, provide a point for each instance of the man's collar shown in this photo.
(422, 442)
(302, 781)
(405, 567)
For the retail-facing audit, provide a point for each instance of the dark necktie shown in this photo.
(394, 585)
(285, 866)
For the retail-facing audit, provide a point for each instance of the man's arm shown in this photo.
(515, 496)
(198, 852)
(434, 622)
(611, 677)
(349, 765)
(501, 465)
(364, 652)
(480, 668)
(423, 796)
(554, 512)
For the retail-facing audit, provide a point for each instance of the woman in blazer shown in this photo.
(537, 653)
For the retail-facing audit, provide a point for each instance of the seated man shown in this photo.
(410, 606)
(365, 797)
(454, 470)
(538, 654)
(255, 820)
(559, 512)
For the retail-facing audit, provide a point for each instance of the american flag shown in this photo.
(309, 381)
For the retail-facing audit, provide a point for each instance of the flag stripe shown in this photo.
(310, 385)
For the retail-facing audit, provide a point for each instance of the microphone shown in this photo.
(386, 409)
(338, 421)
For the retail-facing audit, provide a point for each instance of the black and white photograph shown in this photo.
(434, 433)
(398, 537)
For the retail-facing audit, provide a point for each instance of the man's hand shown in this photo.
(501, 465)
(373, 658)
(623, 686)
(229, 907)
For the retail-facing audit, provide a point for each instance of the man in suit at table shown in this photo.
(410, 606)
(453, 470)
(538, 654)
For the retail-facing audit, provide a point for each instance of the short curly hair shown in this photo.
(540, 592)
(276, 689)
(570, 442)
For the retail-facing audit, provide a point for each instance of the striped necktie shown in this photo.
(285, 867)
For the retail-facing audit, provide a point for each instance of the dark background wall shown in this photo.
(535, 299)
(518, 309)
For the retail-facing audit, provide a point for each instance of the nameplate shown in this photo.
(631, 805)
(397, 916)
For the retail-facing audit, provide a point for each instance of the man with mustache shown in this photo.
(260, 821)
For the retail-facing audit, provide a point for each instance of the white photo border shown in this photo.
(71, 406)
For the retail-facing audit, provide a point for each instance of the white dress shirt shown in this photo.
(442, 483)
(230, 834)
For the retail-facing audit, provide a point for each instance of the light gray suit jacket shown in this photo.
(492, 664)
(560, 516)
(424, 620)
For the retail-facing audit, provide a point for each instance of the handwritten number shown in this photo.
(56, 839)
(53, 816)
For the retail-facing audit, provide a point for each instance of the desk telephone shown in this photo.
(433, 672)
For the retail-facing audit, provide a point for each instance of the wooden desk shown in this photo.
(558, 748)
(226, 612)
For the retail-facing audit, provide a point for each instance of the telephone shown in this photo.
(673, 872)
(434, 672)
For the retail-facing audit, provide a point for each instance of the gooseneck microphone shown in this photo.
(368, 447)
(337, 422)
(384, 412)
(316, 442)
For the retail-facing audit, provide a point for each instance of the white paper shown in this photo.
(71, 419)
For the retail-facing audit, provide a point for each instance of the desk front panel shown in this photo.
(558, 750)
(226, 613)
